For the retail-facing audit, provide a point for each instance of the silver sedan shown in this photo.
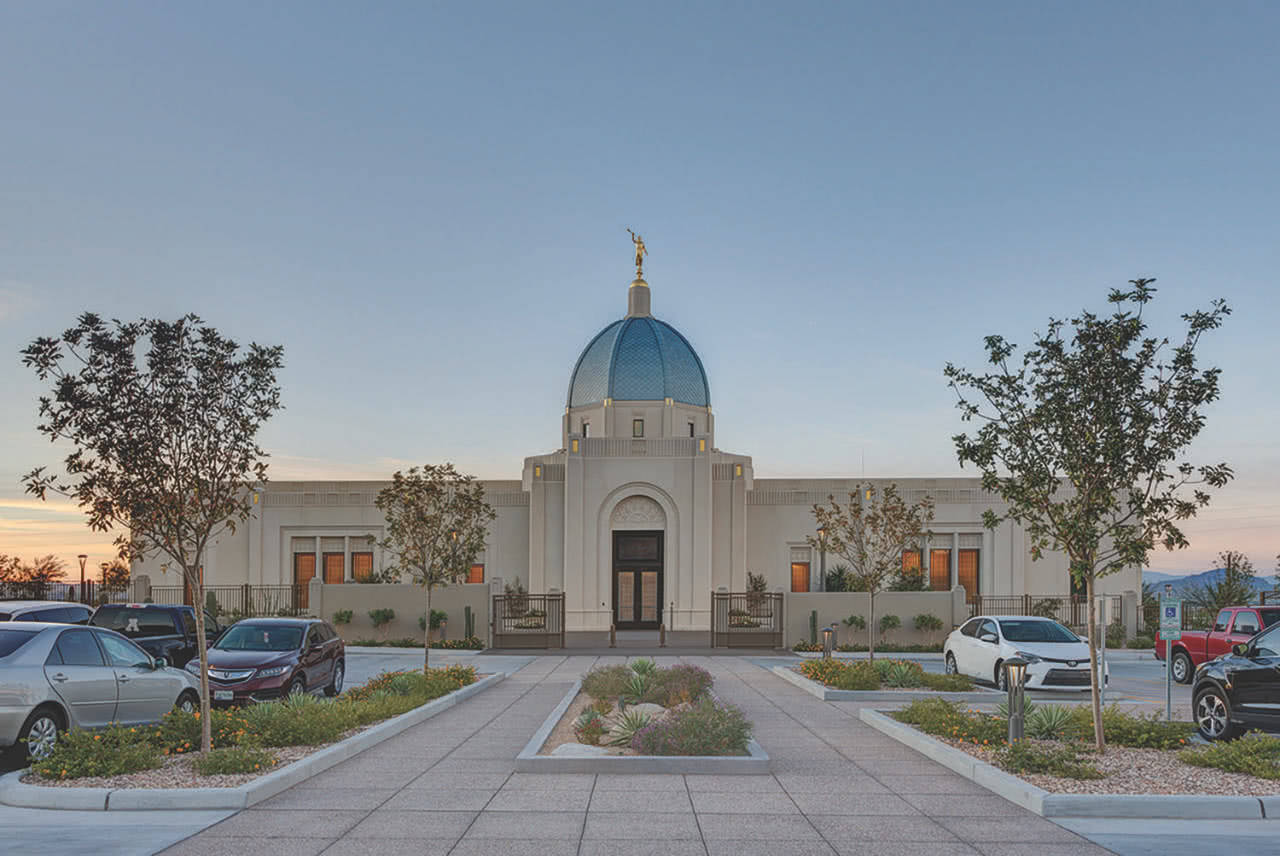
(55, 677)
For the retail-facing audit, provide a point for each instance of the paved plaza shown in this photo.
(448, 786)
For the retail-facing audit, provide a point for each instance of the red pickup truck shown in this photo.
(1233, 624)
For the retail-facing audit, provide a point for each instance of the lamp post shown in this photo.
(822, 558)
(102, 587)
(828, 641)
(1016, 672)
(83, 558)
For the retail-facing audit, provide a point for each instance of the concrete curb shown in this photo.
(828, 694)
(387, 649)
(1045, 804)
(14, 792)
(529, 761)
(1113, 654)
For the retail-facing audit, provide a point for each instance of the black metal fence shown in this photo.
(751, 619)
(1193, 617)
(91, 594)
(242, 601)
(1069, 609)
(528, 620)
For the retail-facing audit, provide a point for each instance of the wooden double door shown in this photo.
(637, 580)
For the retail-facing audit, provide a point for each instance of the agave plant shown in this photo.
(903, 675)
(626, 727)
(644, 667)
(637, 688)
(1028, 708)
(1048, 723)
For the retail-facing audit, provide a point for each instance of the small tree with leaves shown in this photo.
(437, 522)
(1233, 588)
(1083, 440)
(162, 418)
(31, 579)
(115, 577)
(869, 533)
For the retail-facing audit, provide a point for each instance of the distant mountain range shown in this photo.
(1180, 584)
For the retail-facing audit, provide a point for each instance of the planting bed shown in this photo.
(883, 680)
(643, 719)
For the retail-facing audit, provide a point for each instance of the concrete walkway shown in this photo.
(448, 787)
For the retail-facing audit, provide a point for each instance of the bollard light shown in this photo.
(828, 642)
(1015, 676)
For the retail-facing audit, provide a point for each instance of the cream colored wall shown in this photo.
(834, 607)
(409, 603)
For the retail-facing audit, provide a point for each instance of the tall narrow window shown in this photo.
(637, 427)
(304, 568)
(967, 572)
(799, 576)
(940, 570)
(335, 566)
(361, 567)
(476, 574)
(690, 429)
(586, 429)
(911, 563)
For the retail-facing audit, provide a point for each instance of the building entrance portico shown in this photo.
(637, 580)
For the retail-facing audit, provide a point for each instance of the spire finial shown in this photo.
(641, 252)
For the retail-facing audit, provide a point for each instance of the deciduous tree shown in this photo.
(162, 418)
(1084, 439)
(870, 532)
(437, 522)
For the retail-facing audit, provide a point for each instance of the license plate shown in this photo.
(223, 695)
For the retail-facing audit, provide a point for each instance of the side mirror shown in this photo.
(1240, 649)
(988, 637)
(159, 662)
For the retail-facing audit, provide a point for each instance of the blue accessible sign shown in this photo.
(1170, 619)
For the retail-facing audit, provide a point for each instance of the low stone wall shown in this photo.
(834, 607)
(409, 602)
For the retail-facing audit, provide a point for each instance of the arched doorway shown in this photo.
(637, 528)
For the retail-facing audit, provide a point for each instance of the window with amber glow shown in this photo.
(476, 574)
(967, 573)
(799, 576)
(304, 568)
(335, 566)
(940, 570)
(361, 567)
(911, 564)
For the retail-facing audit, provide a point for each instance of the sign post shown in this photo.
(1170, 629)
(1102, 666)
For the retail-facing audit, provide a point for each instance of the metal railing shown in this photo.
(1071, 610)
(528, 620)
(242, 601)
(92, 594)
(751, 619)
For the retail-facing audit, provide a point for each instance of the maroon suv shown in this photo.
(260, 659)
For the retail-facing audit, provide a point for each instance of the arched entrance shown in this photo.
(637, 529)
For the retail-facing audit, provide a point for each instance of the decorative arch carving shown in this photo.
(638, 512)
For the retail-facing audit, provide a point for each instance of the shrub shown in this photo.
(806, 646)
(589, 727)
(638, 690)
(1050, 722)
(895, 648)
(233, 759)
(606, 682)
(438, 616)
(1253, 755)
(644, 666)
(823, 671)
(1046, 607)
(1135, 730)
(860, 676)
(1063, 761)
(342, 616)
(1115, 635)
(602, 706)
(951, 721)
(947, 683)
(381, 618)
(704, 728)
(903, 674)
(854, 622)
(624, 730)
(406, 642)
(179, 733)
(471, 643)
(889, 622)
(927, 623)
(1141, 642)
(681, 684)
(114, 751)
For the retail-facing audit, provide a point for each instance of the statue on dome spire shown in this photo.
(641, 252)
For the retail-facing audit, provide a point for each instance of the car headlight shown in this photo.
(272, 671)
(193, 666)
(1030, 658)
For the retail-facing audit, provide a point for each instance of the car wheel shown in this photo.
(335, 686)
(188, 702)
(40, 733)
(1002, 683)
(1181, 667)
(298, 687)
(1213, 715)
(951, 665)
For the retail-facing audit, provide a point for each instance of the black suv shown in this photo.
(1240, 690)
(164, 630)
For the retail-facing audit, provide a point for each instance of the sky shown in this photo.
(426, 204)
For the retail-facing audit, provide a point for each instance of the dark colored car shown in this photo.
(260, 659)
(162, 629)
(1240, 690)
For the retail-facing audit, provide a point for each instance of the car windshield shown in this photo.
(135, 621)
(260, 637)
(1036, 631)
(12, 640)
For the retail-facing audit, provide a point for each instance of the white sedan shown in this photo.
(1058, 659)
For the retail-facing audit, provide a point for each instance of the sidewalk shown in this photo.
(448, 787)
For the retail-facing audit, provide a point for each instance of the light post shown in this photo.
(822, 558)
(1016, 673)
(83, 558)
(102, 586)
(828, 641)
(1168, 662)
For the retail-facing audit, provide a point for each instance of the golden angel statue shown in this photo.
(641, 252)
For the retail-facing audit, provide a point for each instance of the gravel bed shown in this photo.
(563, 732)
(176, 772)
(1140, 771)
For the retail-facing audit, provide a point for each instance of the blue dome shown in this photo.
(639, 359)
